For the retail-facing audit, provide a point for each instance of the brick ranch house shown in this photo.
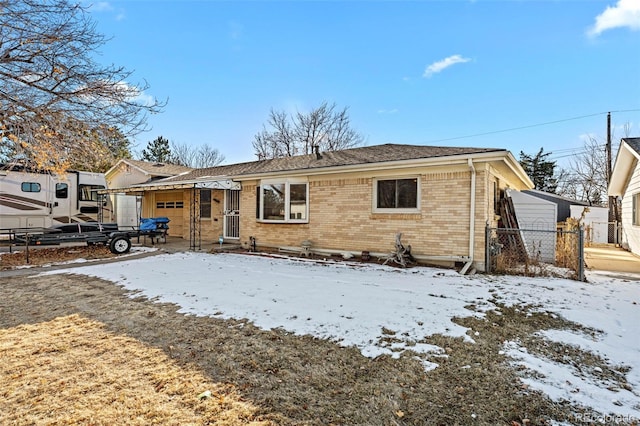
(354, 200)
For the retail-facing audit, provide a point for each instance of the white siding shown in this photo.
(127, 210)
(630, 232)
(596, 220)
(535, 214)
(126, 207)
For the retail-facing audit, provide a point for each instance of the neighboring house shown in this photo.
(127, 172)
(625, 183)
(355, 200)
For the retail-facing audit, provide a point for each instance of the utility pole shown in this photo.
(609, 151)
(613, 201)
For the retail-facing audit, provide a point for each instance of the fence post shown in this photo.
(487, 249)
(26, 242)
(580, 254)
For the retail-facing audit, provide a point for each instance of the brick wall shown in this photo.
(210, 228)
(341, 216)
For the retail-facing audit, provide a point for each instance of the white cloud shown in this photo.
(236, 30)
(626, 13)
(388, 111)
(101, 6)
(107, 7)
(443, 64)
(120, 92)
(134, 94)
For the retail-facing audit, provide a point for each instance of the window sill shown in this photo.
(396, 216)
(283, 222)
(396, 211)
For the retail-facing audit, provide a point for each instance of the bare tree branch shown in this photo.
(324, 127)
(586, 178)
(198, 157)
(52, 92)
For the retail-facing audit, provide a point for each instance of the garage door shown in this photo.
(171, 205)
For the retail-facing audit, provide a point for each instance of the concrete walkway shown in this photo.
(612, 259)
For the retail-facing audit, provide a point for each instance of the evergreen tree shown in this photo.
(158, 151)
(540, 170)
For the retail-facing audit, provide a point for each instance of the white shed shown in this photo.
(537, 221)
(595, 222)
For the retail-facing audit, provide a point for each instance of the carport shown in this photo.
(171, 199)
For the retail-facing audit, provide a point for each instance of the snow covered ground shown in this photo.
(360, 305)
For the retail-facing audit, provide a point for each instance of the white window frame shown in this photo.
(635, 209)
(287, 200)
(374, 205)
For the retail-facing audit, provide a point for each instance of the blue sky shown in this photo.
(411, 72)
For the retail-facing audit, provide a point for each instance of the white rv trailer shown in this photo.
(36, 199)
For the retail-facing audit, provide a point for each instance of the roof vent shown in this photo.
(158, 165)
(316, 148)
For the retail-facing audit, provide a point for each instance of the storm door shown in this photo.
(231, 213)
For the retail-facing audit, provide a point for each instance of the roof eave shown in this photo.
(501, 155)
(623, 166)
(124, 160)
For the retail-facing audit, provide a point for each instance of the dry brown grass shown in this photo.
(288, 379)
(49, 255)
(72, 371)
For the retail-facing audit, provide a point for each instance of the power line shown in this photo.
(573, 152)
(528, 126)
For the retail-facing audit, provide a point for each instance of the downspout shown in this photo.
(472, 217)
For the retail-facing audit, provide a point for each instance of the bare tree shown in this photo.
(586, 177)
(56, 103)
(197, 157)
(287, 135)
(280, 141)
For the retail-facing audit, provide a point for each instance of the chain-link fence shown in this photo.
(535, 252)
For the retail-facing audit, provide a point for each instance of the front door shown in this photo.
(232, 214)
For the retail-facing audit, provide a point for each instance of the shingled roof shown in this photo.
(155, 169)
(633, 143)
(348, 157)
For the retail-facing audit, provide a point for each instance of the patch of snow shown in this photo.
(361, 304)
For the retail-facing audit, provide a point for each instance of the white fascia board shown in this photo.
(220, 184)
(213, 183)
(622, 168)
